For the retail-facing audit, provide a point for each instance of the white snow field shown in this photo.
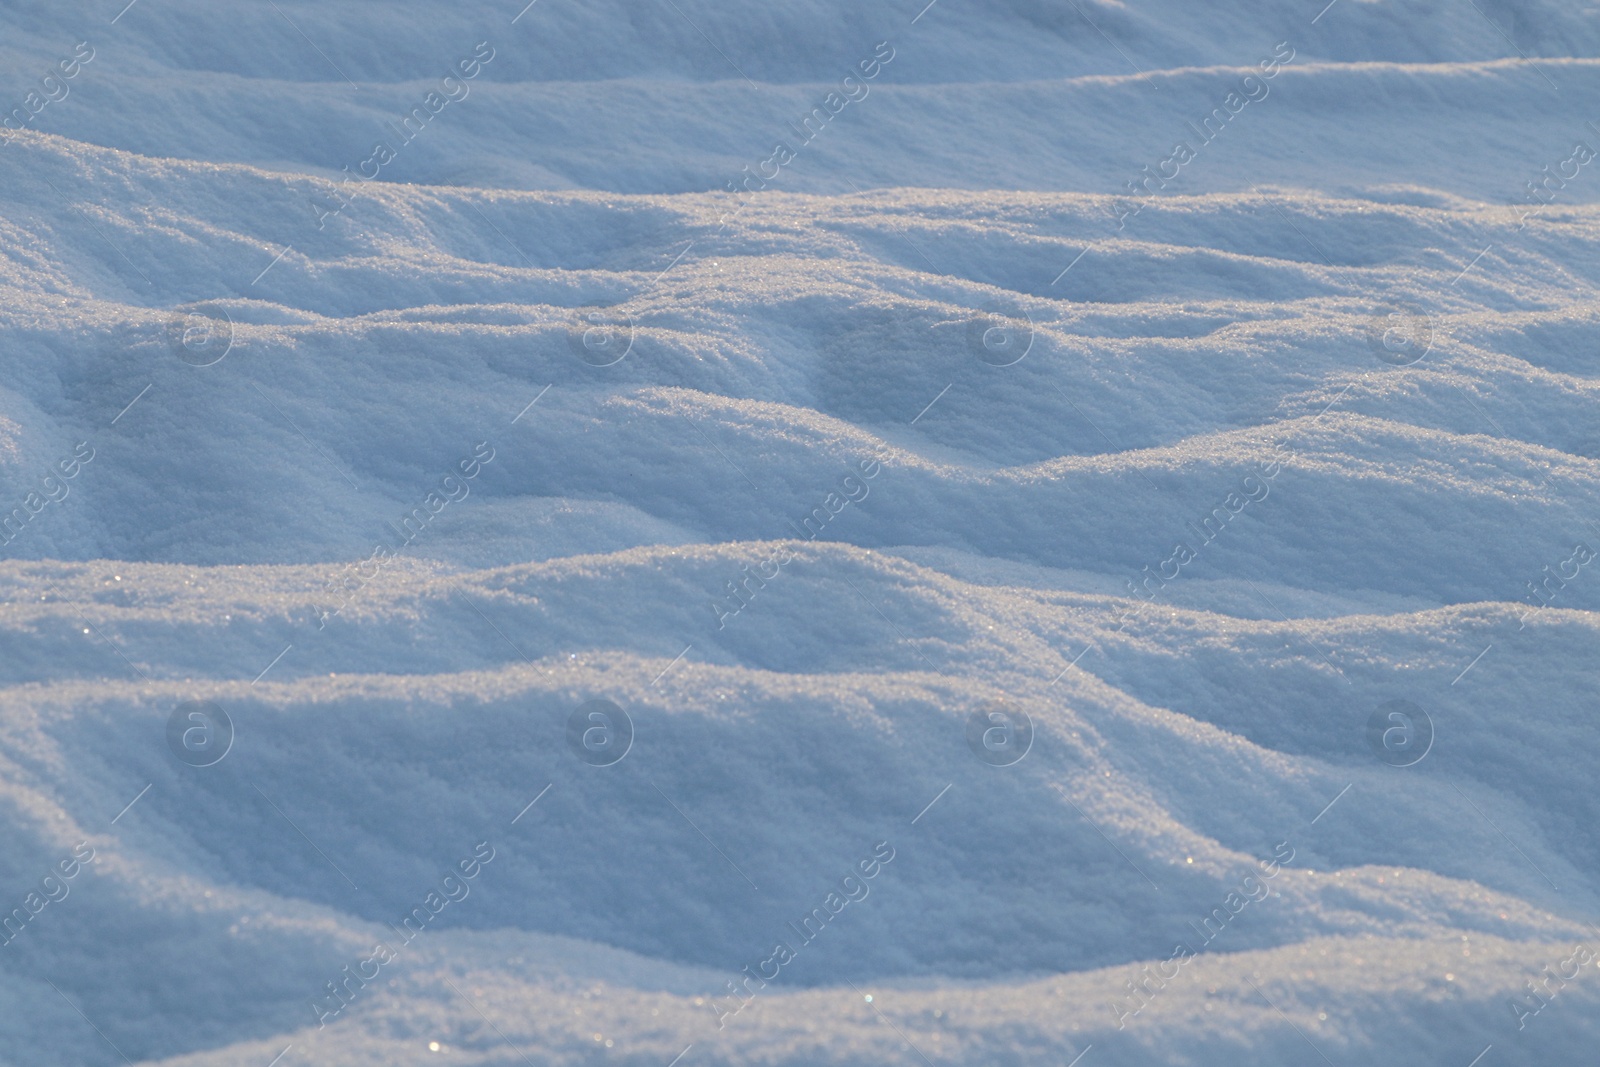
(676, 533)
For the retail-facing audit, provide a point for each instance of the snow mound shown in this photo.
(842, 534)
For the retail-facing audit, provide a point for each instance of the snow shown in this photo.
(806, 461)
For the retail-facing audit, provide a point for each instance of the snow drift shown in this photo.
(549, 602)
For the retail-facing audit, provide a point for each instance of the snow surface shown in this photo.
(400, 473)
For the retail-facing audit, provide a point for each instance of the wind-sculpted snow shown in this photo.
(1163, 781)
(701, 533)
